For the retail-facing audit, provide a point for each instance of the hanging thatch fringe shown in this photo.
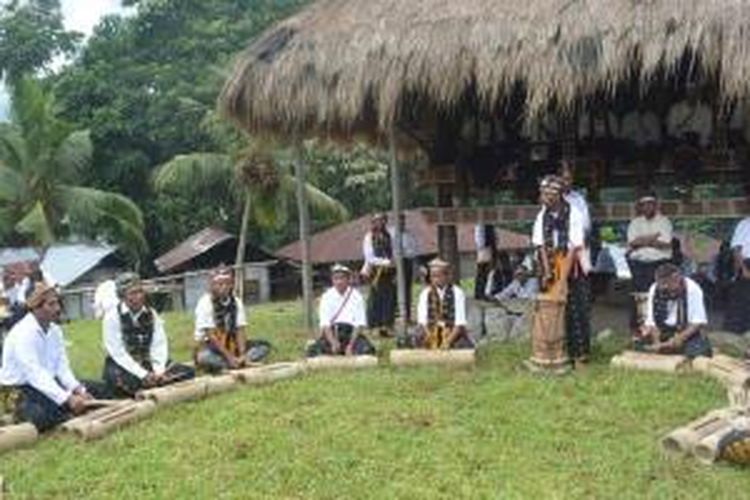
(341, 64)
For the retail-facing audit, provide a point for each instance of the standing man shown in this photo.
(441, 313)
(35, 365)
(136, 344)
(379, 269)
(342, 319)
(485, 239)
(737, 319)
(220, 323)
(649, 246)
(410, 251)
(558, 236)
(675, 315)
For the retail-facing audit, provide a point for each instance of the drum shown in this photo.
(548, 336)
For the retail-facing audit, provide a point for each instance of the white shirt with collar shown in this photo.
(38, 358)
(369, 253)
(696, 313)
(641, 226)
(741, 238)
(459, 305)
(114, 343)
(350, 307)
(17, 293)
(204, 316)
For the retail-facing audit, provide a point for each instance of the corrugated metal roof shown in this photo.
(14, 255)
(343, 243)
(192, 247)
(65, 263)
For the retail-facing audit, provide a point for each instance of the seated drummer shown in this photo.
(220, 324)
(342, 319)
(136, 343)
(441, 312)
(674, 317)
(35, 374)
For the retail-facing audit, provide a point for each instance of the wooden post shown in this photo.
(396, 205)
(304, 235)
(448, 235)
(239, 269)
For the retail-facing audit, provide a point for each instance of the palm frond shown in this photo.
(36, 225)
(319, 201)
(12, 185)
(187, 172)
(13, 148)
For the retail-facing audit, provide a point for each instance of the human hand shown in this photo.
(76, 403)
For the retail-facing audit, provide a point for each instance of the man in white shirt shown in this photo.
(649, 243)
(220, 324)
(523, 286)
(441, 313)
(559, 237)
(136, 344)
(342, 319)
(675, 315)
(379, 270)
(35, 365)
(737, 318)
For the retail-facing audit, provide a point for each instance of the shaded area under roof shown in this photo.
(343, 243)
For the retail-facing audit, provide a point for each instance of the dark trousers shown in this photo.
(381, 301)
(578, 317)
(343, 334)
(408, 280)
(480, 282)
(121, 383)
(737, 317)
(34, 407)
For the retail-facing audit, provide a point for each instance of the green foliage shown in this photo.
(42, 161)
(31, 35)
(492, 432)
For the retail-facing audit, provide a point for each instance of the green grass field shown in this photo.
(492, 432)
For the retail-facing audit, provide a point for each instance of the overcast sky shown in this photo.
(81, 16)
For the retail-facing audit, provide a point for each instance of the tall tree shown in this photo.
(32, 34)
(42, 160)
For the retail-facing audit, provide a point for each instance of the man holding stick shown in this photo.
(136, 343)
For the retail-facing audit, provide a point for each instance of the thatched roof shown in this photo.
(339, 63)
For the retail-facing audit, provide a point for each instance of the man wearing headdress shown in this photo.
(342, 319)
(220, 323)
(35, 369)
(675, 315)
(136, 344)
(441, 313)
(379, 269)
(558, 235)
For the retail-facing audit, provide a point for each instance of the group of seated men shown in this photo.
(37, 380)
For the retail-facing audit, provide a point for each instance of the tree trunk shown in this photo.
(239, 270)
(304, 235)
(399, 247)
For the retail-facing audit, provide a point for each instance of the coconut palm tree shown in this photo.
(261, 181)
(42, 163)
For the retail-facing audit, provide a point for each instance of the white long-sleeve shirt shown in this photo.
(353, 312)
(696, 307)
(459, 306)
(37, 358)
(369, 253)
(578, 201)
(204, 316)
(515, 290)
(741, 237)
(114, 343)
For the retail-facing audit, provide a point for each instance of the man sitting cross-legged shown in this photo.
(675, 315)
(441, 313)
(35, 374)
(136, 343)
(342, 319)
(220, 328)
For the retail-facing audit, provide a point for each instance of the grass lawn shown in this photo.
(493, 432)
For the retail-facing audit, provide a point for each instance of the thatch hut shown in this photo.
(495, 91)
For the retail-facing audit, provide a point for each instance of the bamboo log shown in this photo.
(269, 373)
(341, 362)
(75, 424)
(707, 449)
(16, 436)
(221, 383)
(102, 426)
(418, 357)
(738, 396)
(728, 370)
(651, 362)
(684, 439)
(188, 390)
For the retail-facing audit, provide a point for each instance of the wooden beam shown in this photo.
(303, 209)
